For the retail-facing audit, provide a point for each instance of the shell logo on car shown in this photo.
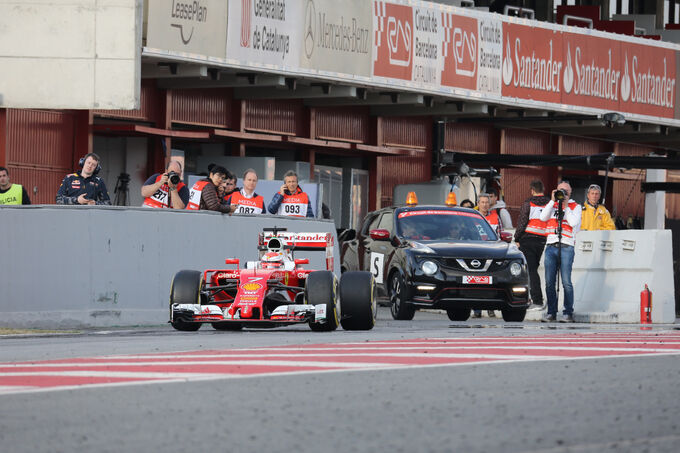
(251, 286)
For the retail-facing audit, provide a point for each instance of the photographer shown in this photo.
(166, 190)
(563, 217)
(290, 200)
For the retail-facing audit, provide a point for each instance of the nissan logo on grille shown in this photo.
(475, 263)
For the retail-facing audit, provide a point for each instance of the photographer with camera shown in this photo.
(166, 190)
(563, 217)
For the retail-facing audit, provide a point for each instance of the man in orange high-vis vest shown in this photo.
(484, 206)
(564, 221)
(161, 190)
(530, 237)
(246, 200)
(290, 200)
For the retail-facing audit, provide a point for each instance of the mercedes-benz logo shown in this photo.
(475, 263)
(310, 13)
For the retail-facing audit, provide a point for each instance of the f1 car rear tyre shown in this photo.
(357, 300)
(227, 326)
(399, 305)
(513, 315)
(321, 288)
(458, 314)
(186, 289)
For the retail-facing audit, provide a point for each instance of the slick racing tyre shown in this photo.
(399, 305)
(513, 315)
(458, 314)
(321, 288)
(357, 300)
(186, 289)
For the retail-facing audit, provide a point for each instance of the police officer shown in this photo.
(290, 200)
(11, 193)
(159, 191)
(84, 187)
(595, 216)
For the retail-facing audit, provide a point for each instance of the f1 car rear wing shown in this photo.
(299, 241)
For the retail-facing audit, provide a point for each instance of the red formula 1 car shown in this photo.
(275, 290)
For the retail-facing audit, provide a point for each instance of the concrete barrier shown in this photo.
(91, 266)
(610, 270)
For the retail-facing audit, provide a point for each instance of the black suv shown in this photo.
(439, 257)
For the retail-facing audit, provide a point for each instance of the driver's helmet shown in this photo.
(272, 259)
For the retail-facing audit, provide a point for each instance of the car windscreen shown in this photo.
(443, 225)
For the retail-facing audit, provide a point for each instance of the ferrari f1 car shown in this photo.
(275, 290)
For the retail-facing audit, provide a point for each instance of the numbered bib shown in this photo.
(293, 209)
(241, 209)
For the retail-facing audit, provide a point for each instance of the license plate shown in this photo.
(477, 279)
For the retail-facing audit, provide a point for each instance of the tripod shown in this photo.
(122, 190)
(560, 216)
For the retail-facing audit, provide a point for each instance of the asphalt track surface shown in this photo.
(428, 385)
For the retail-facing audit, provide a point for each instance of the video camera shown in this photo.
(173, 177)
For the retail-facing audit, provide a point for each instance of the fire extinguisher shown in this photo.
(646, 306)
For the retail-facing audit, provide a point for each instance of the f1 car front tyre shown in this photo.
(513, 315)
(186, 289)
(399, 305)
(321, 288)
(458, 314)
(357, 300)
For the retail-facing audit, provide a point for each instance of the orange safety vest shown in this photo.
(245, 205)
(567, 230)
(536, 225)
(195, 195)
(160, 199)
(294, 205)
(494, 220)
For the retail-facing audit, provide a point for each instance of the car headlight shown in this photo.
(429, 268)
(515, 269)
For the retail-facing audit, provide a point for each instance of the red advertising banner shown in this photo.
(532, 63)
(393, 40)
(580, 70)
(461, 51)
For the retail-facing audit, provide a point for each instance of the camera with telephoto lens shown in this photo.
(560, 195)
(173, 177)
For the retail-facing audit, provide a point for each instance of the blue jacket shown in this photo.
(278, 198)
(75, 184)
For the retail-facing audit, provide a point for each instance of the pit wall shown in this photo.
(92, 266)
(610, 270)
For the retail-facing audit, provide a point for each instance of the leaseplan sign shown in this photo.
(588, 71)
(188, 26)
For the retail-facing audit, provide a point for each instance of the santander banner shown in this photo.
(549, 65)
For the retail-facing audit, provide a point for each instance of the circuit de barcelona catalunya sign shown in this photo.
(431, 48)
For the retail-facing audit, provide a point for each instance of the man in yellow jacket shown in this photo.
(594, 215)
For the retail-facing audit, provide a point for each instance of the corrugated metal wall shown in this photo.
(351, 124)
(205, 107)
(402, 170)
(471, 138)
(627, 200)
(515, 141)
(583, 147)
(40, 146)
(409, 132)
(279, 116)
(149, 104)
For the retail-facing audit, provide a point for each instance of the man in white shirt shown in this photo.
(563, 217)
